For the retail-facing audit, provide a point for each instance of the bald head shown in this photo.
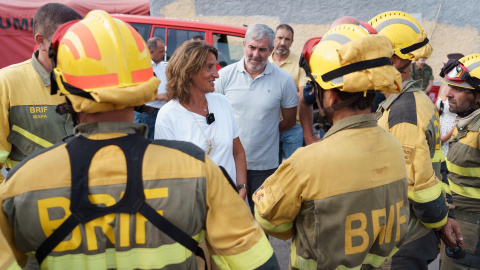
(345, 20)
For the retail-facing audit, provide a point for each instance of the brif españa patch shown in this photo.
(259, 194)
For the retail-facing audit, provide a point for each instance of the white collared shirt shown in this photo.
(159, 70)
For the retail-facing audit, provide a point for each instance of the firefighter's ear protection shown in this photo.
(52, 53)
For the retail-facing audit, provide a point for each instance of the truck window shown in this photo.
(142, 29)
(160, 32)
(230, 48)
(175, 38)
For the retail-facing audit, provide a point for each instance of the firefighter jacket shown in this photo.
(7, 259)
(463, 161)
(412, 118)
(179, 181)
(28, 121)
(343, 199)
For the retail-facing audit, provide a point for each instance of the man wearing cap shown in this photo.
(412, 118)
(338, 199)
(463, 159)
(419, 70)
(99, 208)
(28, 121)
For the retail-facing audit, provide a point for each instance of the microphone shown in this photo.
(210, 118)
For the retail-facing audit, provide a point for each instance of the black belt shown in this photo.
(145, 109)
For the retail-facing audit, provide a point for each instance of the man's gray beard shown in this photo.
(255, 68)
(282, 53)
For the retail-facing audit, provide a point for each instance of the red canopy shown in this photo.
(16, 20)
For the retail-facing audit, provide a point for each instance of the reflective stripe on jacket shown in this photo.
(343, 200)
(28, 121)
(411, 117)
(180, 182)
(463, 161)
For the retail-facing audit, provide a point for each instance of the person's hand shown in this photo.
(451, 206)
(243, 193)
(311, 139)
(447, 136)
(446, 233)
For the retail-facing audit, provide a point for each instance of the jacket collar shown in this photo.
(352, 122)
(41, 71)
(92, 128)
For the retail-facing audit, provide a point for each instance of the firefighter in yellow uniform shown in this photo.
(463, 159)
(411, 117)
(343, 200)
(7, 259)
(115, 200)
(28, 121)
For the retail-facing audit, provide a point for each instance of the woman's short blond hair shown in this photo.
(186, 61)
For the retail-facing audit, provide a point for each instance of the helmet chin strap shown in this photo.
(402, 68)
(323, 113)
(68, 108)
(468, 111)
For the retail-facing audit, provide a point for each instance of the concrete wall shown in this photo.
(455, 29)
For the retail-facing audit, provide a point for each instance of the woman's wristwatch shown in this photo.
(242, 186)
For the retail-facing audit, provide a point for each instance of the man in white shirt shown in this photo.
(147, 114)
(258, 91)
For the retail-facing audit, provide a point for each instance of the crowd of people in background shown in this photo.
(117, 159)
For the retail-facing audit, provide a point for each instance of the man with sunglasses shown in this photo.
(412, 118)
(463, 160)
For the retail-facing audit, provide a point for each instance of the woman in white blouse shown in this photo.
(196, 114)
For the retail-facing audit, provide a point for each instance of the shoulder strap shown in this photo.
(81, 151)
(171, 230)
